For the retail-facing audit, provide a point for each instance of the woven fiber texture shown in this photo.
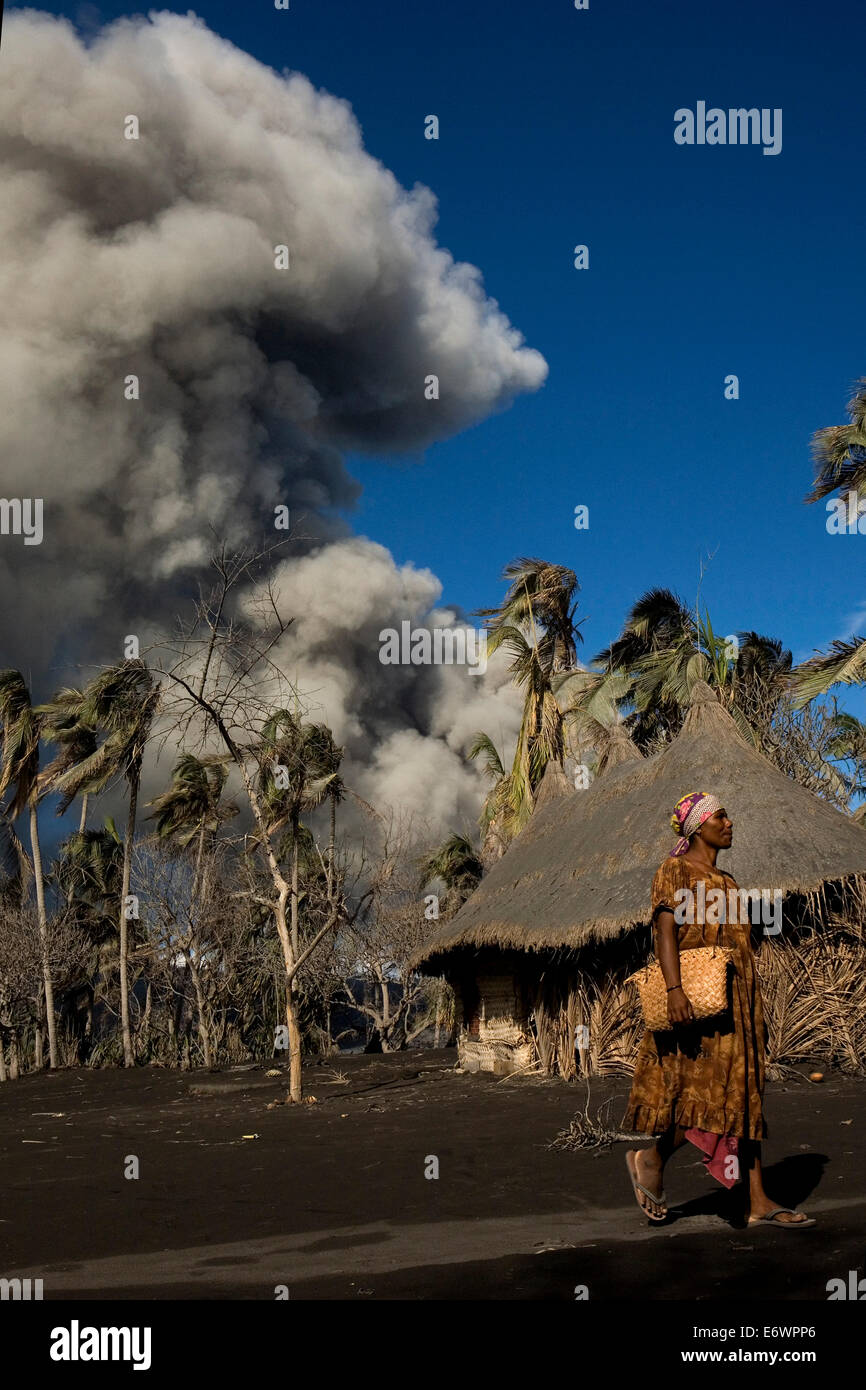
(704, 976)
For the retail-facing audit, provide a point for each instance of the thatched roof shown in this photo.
(618, 749)
(554, 785)
(582, 869)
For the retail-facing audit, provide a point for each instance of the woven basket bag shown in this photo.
(704, 977)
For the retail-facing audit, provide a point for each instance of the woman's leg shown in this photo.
(650, 1165)
(750, 1167)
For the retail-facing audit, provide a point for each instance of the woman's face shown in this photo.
(717, 830)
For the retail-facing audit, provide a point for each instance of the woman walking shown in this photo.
(703, 1081)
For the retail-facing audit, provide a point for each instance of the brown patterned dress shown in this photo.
(708, 1074)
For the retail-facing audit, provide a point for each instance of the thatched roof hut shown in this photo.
(583, 867)
(574, 885)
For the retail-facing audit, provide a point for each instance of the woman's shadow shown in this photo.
(790, 1181)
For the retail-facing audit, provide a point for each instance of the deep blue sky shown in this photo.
(557, 128)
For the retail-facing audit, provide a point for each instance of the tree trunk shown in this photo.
(199, 855)
(283, 891)
(292, 1009)
(176, 1015)
(14, 1067)
(292, 1021)
(295, 831)
(295, 1091)
(385, 1026)
(128, 1053)
(148, 1010)
(203, 1033)
(3, 1073)
(332, 844)
(82, 824)
(87, 1040)
(43, 934)
(38, 1058)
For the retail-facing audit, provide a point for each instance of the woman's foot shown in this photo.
(781, 1217)
(646, 1167)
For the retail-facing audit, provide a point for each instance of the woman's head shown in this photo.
(700, 814)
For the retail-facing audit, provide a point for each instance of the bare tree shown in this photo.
(375, 948)
(222, 690)
(22, 960)
(192, 925)
(806, 745)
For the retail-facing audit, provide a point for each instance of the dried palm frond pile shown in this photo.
(814, 992)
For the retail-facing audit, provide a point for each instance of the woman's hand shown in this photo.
(679, 1006)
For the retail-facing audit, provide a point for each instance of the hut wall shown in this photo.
(495, 1033)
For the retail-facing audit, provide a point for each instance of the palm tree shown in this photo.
(327, 757)
(62, 724)
(88, 873)
(839, 452)
(298, 765)
(192, 807)
(663, 649)
(20, 774)
(541, 593)
(121, 703)
(458, 864)
(590, 702)
(659, 640)
(535, 623)
(189, 811)
(847, 742)
(843, 664)
(497, 819)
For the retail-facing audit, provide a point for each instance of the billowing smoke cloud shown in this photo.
(155, 257)
(405, 728)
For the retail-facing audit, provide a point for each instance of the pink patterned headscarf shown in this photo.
(689, 815)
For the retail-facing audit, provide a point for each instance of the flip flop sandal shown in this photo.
(638, 1186)
(770, 1216)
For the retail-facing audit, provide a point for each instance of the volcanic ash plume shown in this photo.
(155, 258)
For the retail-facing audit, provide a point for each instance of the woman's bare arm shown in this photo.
(679, 1005)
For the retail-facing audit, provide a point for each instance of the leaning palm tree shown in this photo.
(121, 703)
(541, 736)
(19, 779)
(62, 724)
